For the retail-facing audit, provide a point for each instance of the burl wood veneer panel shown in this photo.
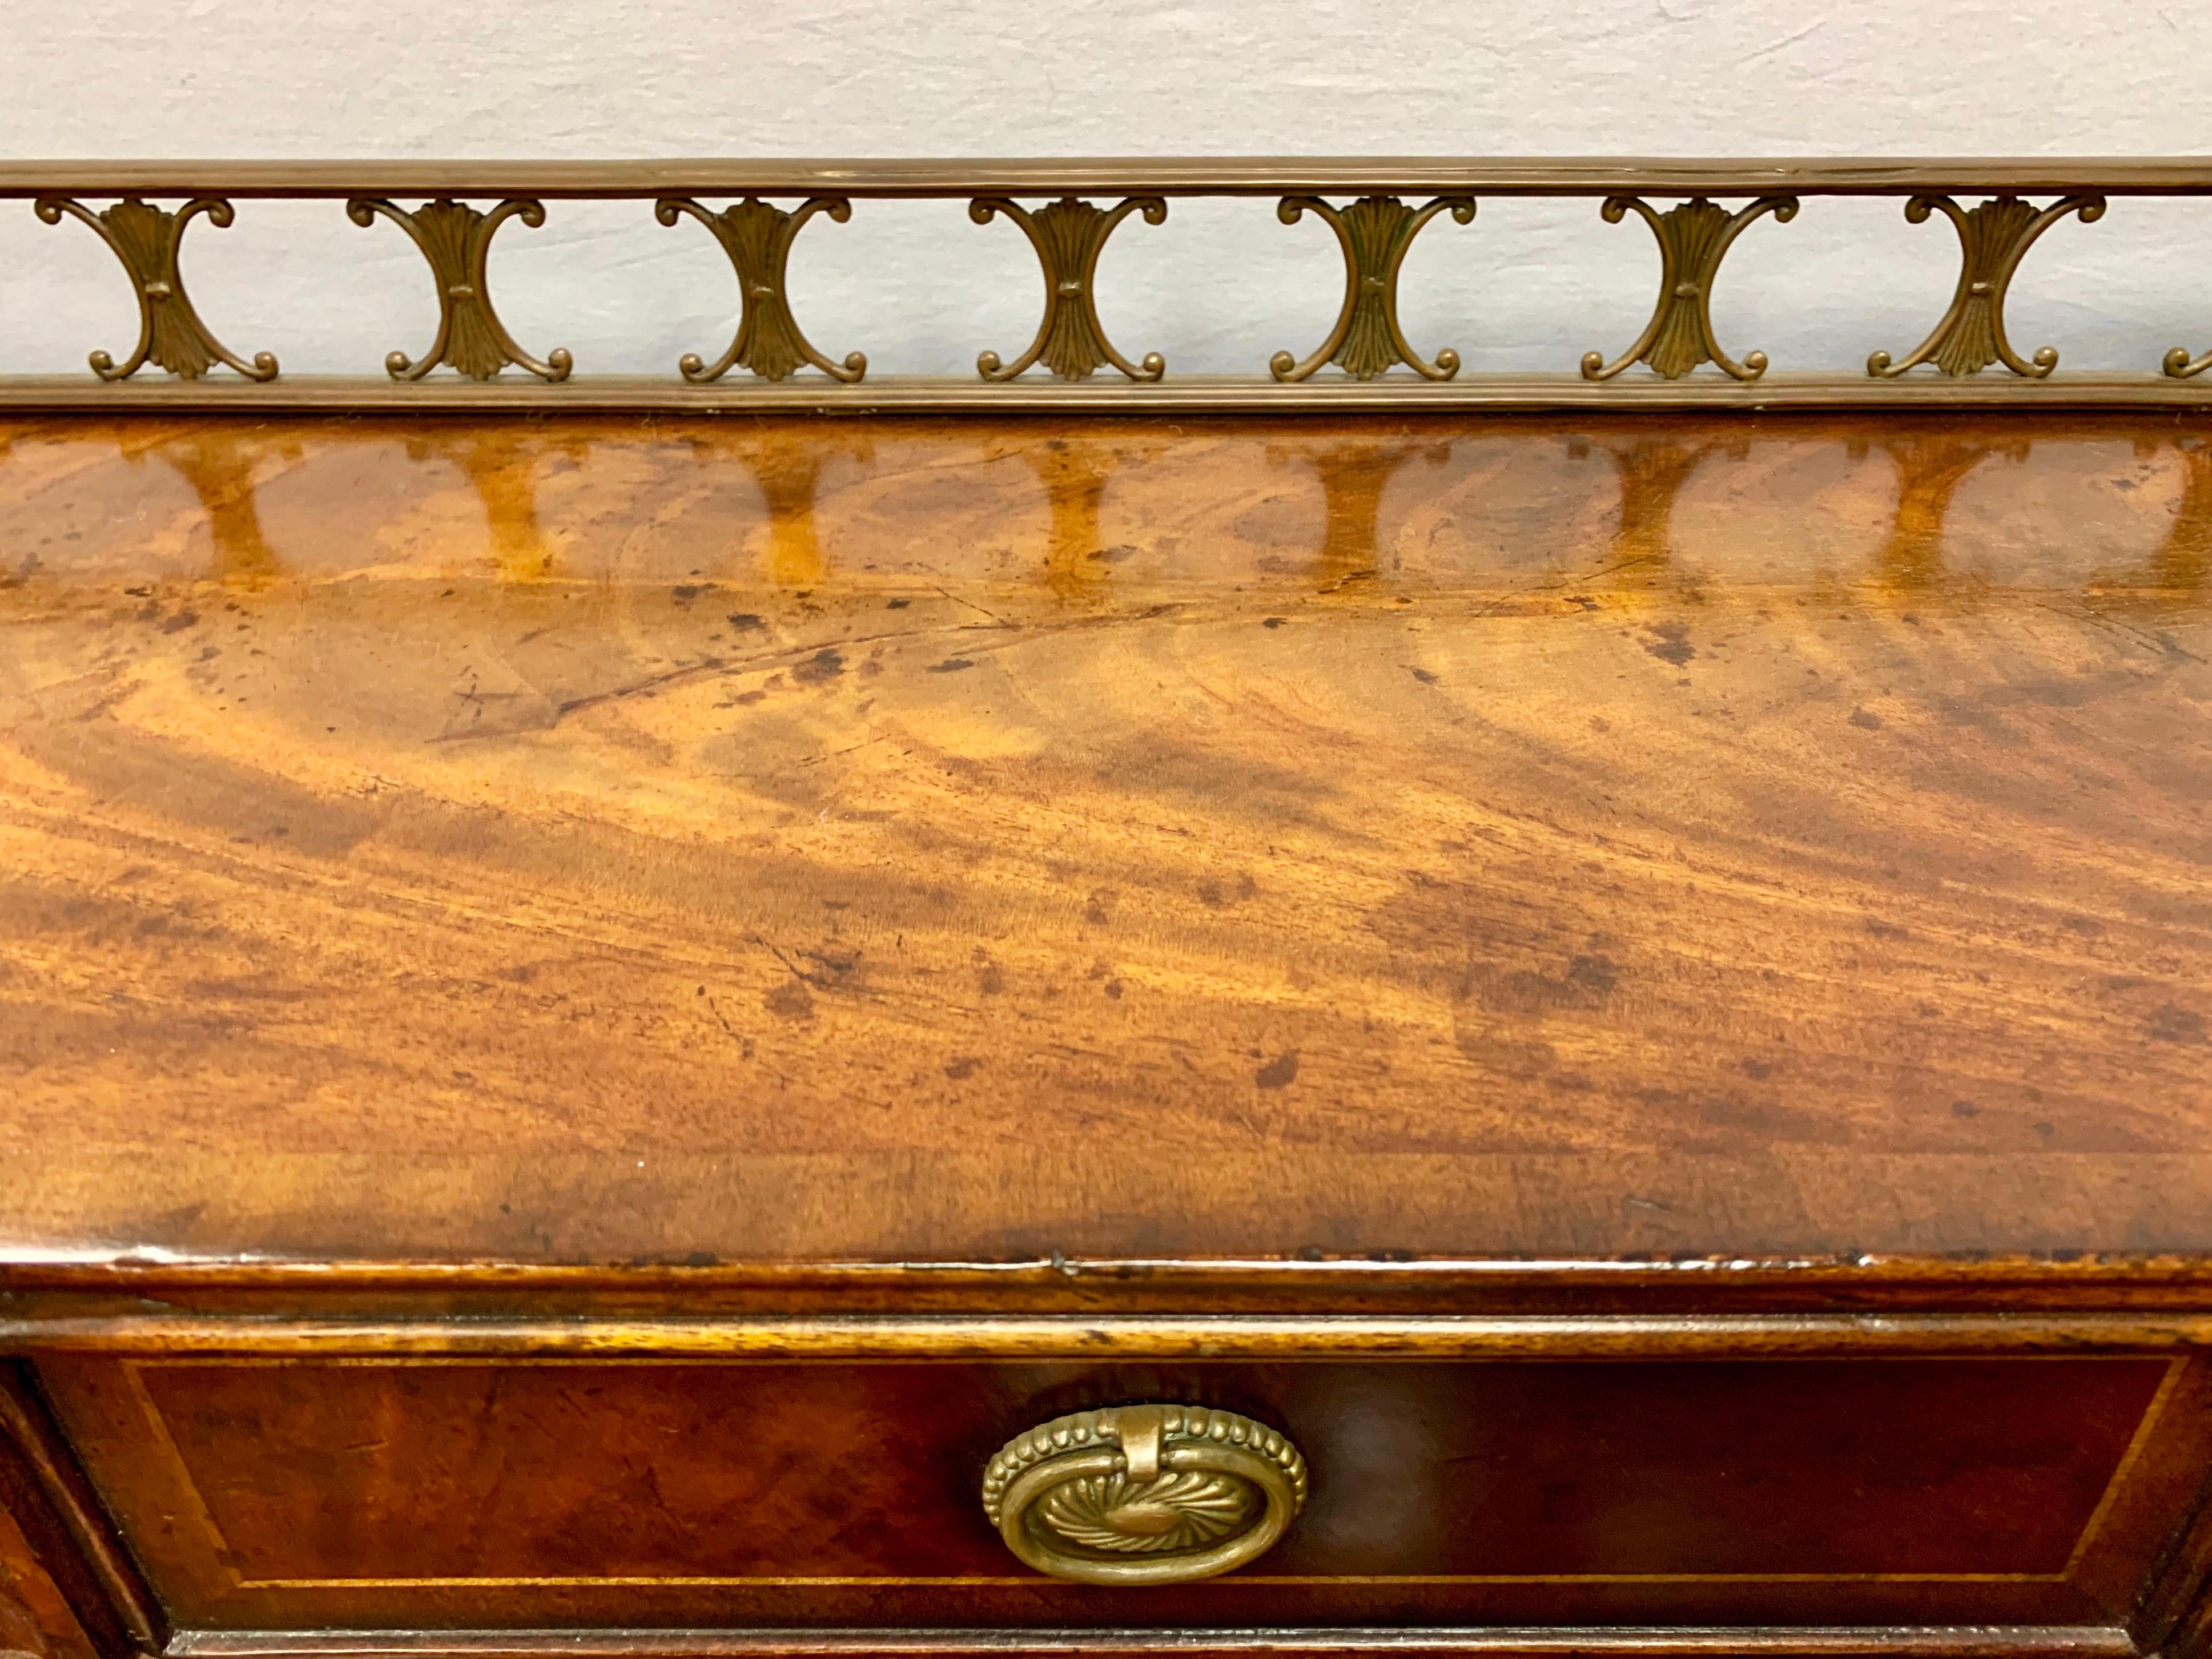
(879, 839)
(374, 1492)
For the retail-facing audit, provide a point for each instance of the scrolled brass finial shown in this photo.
(1068, 235)
(1993, 238)
(1375, 232)
(1693, 236)
(456, 238)
(147, 240)
(2180, 365)
(1152, 1494)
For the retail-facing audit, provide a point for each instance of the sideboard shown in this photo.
(653, 1022)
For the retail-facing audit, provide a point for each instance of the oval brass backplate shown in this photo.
(1144, 1494)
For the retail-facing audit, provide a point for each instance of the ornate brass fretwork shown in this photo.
(758, 237)
(1693, 236)
(1144, 1494)
(1375, 232)
(456, 238)
(1993, 238)
(170, 335)
(1068, 235)
(1067, 208)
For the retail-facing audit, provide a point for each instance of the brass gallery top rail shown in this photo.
(1121, 175)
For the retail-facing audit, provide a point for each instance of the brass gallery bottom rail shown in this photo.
(890, 395)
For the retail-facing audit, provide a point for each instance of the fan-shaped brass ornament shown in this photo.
(1144, 1494)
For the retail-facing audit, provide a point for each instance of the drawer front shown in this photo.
(375, 1492)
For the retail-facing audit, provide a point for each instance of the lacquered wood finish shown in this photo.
(597, 1010)
(1932, 1491)
(944, 841)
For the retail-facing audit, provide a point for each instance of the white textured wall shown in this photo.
(1221, 285)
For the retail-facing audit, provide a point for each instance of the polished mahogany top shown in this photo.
(960, 840)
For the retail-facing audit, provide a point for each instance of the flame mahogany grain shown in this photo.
(514, 934)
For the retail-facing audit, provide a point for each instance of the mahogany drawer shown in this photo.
(369, 1491)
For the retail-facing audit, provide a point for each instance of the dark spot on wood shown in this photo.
(685, 592)
(1525, 1061)
(822, 666)
(836, 961)
(1866, 719)
(1882, 929)
(950, 666)
(896, 604)
(1273, 622)
(1768, 1119)
(1098, 908)
(1423, 675)
(1965, 1108)
(1114, 989)
(1670, 643)
(1757, 1070)
(1597, 973)
(181, 621)
(2171, 1023)
(743, 620)
(1114, 554)
(963, 1068)
(790, 1000)
(1279, 1072)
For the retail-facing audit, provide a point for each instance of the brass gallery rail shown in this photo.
(1695, 209)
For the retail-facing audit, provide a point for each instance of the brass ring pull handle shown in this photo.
(1144, 1494)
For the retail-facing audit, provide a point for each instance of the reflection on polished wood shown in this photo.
(1930, 467)
(223, 478)
(1353, 475)
(1653, 467)
(964, 839)
(2184, 560)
